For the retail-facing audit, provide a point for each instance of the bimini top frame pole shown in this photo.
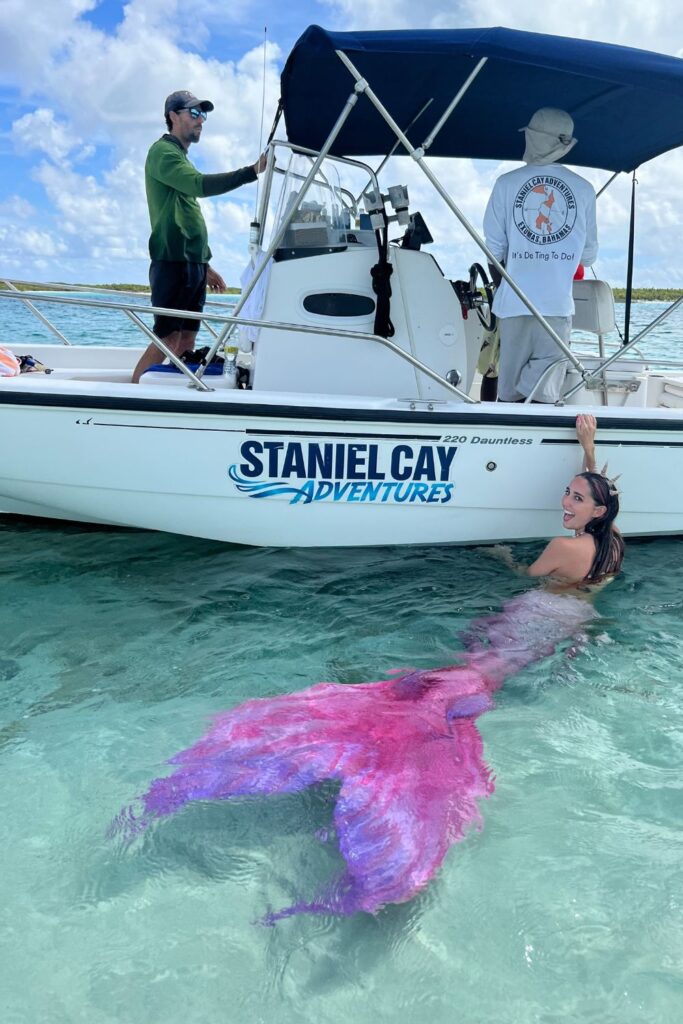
(453, 104)
(439, 125)
(359, 88)
(280, 233)
(387, 157)
(418, 157)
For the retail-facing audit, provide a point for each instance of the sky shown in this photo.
(82, 85)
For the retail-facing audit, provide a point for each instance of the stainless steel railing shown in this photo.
(133, 311)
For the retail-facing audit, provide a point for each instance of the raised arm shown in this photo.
(558, 558)
(586, 426)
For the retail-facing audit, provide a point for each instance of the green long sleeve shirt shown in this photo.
(173, 185)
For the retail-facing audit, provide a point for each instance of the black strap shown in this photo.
(278, 114)
(381, 285)
(629, 269)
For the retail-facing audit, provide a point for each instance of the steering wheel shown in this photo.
(477, 273)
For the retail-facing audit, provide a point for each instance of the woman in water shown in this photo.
(405, 752)
(590, 505)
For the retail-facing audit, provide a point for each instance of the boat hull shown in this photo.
(257, 471)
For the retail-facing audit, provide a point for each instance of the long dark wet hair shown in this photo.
(609, 545)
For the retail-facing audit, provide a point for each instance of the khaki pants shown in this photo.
(526, 351)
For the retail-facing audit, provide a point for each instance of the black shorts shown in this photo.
(177, 286)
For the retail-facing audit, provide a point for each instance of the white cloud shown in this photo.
(112, 87)
(93, 104)
(32, 242)
(98, 216)
(602, 20)
(109, 89)
(31, 34)
(40, 130)
(16, 207)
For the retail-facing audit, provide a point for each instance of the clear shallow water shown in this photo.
(116, 646)
(84, 325)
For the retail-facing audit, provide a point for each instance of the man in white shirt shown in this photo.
(540, 223)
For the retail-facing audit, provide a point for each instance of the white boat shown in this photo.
(348, 434)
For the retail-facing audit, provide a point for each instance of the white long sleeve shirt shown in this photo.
(540, 221)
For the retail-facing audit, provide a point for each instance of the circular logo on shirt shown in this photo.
(545, 209)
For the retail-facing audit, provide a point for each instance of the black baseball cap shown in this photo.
(182, 99)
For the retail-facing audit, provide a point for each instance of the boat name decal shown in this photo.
(476, 439)
(345, 471)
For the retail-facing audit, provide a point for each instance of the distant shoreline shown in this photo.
(639, 294)
(145, 288)
(649, 294)
(110, 287)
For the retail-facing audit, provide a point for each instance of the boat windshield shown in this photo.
(322, 216)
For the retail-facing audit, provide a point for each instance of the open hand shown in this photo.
(214, 281)
(586, 426)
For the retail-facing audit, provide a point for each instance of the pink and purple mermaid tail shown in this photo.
(406, 753)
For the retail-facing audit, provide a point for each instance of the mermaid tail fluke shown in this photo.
(281, 745)
(395, 829)
(405, 751)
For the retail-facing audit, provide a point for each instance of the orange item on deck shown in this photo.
(9, 364)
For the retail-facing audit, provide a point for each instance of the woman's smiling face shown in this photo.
(579, 506)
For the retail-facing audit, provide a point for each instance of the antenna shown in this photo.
(255, 227)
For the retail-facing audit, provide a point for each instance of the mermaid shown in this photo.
(405, 752)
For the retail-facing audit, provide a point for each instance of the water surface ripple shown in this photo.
(117, 645)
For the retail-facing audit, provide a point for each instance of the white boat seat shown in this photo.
(593, 307)
(674, 386)
(672, 393)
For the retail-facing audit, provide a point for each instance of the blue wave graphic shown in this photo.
(266, 489)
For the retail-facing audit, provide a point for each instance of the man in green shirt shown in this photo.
(179, 272)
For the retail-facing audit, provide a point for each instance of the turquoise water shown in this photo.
(116, 646)
(84, 326)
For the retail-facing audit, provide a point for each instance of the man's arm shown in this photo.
(495, 223)
(495, 273)
(173, 169)
(218, 184)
